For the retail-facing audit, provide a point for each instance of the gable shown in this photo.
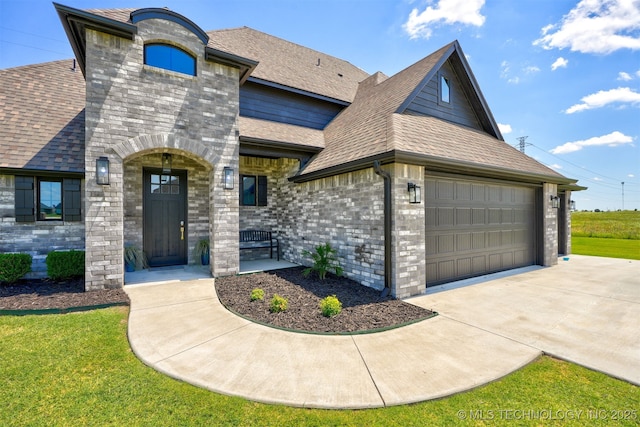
(428, 101)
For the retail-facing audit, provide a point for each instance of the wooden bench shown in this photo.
(257, 239)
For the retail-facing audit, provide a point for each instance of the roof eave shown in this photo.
(437, 164)
(245, 65)
(262, 147)
(75, 21)
(298, 91)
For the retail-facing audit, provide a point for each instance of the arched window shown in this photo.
(170, 58)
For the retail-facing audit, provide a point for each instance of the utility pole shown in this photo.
(522, 144)
(622, 195)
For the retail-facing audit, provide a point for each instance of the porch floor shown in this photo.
(195, 272)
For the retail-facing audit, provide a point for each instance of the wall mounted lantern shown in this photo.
(572, 205)
(415, 194)
(228, 178)
(102, 171)
(166, 163)
(555, 202)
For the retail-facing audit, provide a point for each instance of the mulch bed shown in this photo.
(47, 294)
(362, 308)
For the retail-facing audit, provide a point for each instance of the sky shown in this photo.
(565, 74)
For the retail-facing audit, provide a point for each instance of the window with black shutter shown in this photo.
(71, 199)
(47, 199)
(25, 199)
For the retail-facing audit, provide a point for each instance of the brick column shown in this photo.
(549, 226)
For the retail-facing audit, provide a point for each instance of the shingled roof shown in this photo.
(289, 64)
(372, 128)
(42, 116)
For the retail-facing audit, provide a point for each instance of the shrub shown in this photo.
(324, 259)
(330, 306)
(278, 304)
(63, 265)
(257, 294)
(14, 266)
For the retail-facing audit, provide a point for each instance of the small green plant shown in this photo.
(135, 258)
(257, 294)
(14, 266)
(324, 260)
(201, 250)
(278, 304)
(330, 306)
(63, 265)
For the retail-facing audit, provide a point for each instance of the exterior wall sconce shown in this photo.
(228, 178)
(555, 202)
(572, 205)
(166, 163)
(102, 171)
(415, 193)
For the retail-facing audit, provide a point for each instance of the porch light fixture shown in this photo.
(102, 171)
(555, 202)
(572, 205)
(228, 178)
(166, 163)
(415, 193)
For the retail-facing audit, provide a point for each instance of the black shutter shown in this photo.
(262, 191)
(25, 206)
(71, 200)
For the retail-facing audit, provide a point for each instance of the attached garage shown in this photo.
(477, 227)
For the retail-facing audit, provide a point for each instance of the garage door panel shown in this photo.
(475, 228)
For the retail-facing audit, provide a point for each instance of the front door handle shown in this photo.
(181, 230)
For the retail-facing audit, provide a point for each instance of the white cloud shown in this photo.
(638, 73)
(595, 26)
(597, 179)
(559, 63)
(605, 97)
(504, 129)
(531, 69)
(625, 77)
(631, 175)
(612, 140)
(447, 12)
(555, 166)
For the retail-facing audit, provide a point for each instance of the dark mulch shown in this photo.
(362, 308)
(47, 294)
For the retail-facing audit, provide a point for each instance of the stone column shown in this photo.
(549, 225)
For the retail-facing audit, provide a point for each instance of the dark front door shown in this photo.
(165, 217)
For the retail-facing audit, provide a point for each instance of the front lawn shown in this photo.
(78, 369)
(612, 248)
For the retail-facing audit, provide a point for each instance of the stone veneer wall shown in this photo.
(134, 109)
(347, 211)
(34, 238)
(409, 234)
(549, 226)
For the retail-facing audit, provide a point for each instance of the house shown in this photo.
(159, 134)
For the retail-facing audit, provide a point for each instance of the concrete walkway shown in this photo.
(484, 332)
(585, 310)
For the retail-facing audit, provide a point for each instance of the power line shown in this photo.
(33, 34)
(573, 164)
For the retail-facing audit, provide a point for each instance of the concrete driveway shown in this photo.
(585, 310)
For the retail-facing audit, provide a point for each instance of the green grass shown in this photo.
(613, 225)
(606, 234)
(78, 369)
(612, 248)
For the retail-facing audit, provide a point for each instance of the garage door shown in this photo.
(475, 228)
